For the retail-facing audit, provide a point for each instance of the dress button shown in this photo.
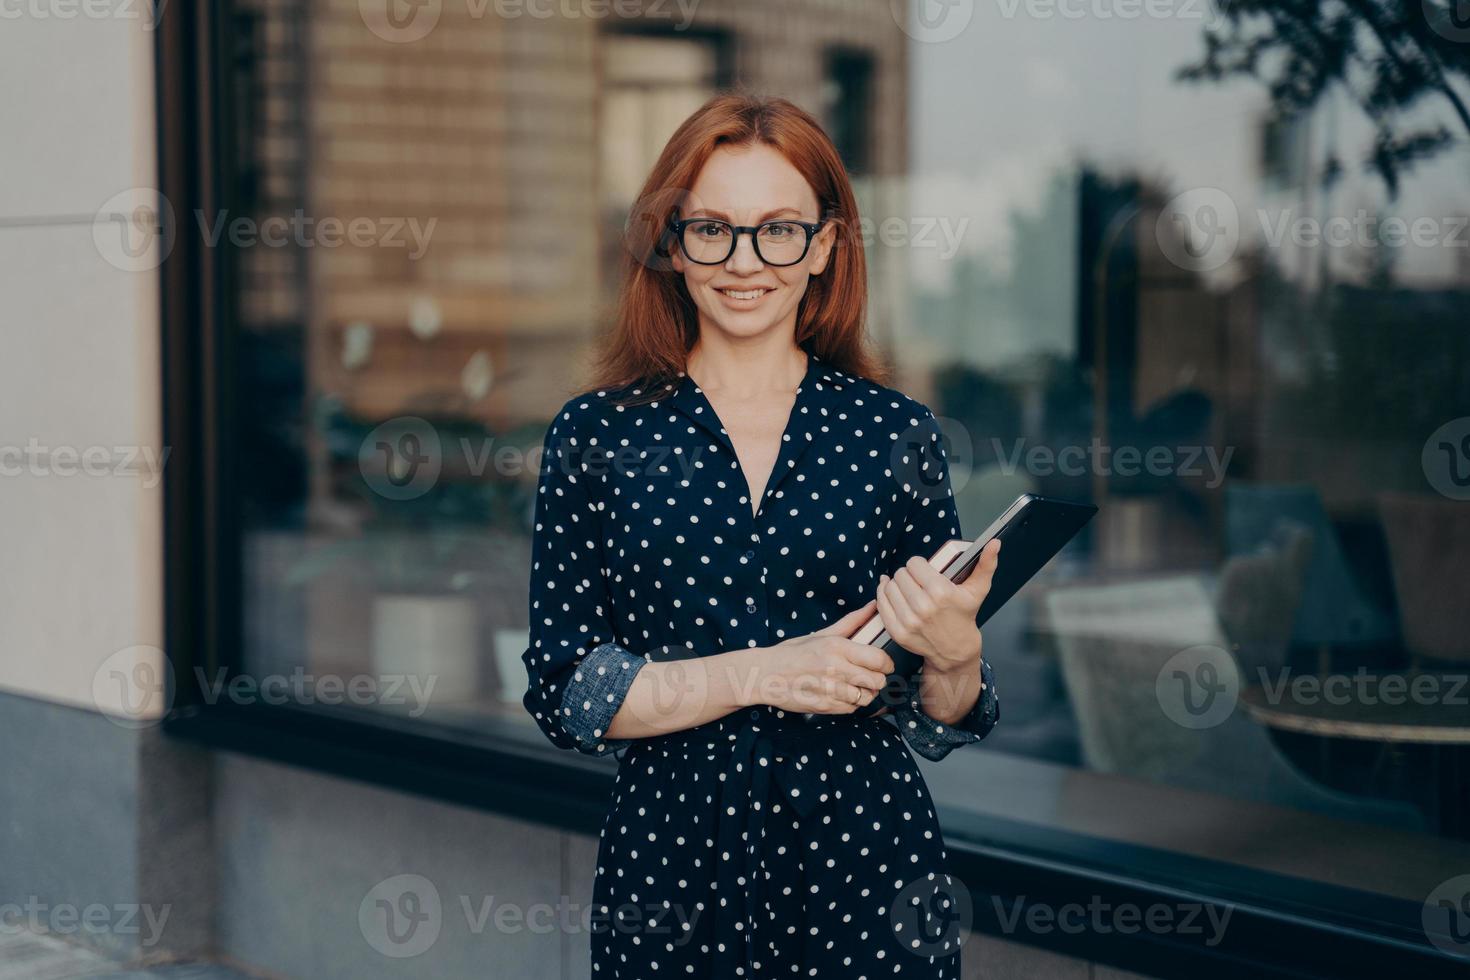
(750, 556)
(755, 712)
(750, 607)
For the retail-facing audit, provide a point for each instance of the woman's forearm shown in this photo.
(670, 696)
(948, 696)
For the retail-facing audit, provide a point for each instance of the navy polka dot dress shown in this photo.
(760, 844)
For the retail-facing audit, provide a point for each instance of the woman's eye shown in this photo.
(710, 229)
(780, 231)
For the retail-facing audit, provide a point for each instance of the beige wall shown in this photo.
(80, 581)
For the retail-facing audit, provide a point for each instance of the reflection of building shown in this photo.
(254, 844)
(522, 139)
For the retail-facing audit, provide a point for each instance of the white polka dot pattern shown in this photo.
(645, 539)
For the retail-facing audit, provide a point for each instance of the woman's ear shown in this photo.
(822, 248)
(668, 245)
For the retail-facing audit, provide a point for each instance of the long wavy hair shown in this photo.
(657, 322)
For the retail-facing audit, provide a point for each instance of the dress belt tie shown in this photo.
(745, 802)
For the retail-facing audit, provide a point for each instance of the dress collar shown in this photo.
(819, 398)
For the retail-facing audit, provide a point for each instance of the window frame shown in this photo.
(1305, 928)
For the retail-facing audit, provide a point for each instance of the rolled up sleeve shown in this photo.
(933, 739)
(577, 672)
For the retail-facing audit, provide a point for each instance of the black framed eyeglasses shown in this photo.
(710, 241)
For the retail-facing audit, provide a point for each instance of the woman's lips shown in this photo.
(744, 297)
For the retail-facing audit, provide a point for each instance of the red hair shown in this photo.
(657, 323)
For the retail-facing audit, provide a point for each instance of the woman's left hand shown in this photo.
(935, 618)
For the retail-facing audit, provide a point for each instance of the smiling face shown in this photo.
(743, 297)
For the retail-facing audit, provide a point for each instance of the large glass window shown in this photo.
(1123, 261)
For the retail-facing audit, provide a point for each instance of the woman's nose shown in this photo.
(744, 259)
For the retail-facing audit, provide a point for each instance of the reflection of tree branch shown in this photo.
(1305, 46)
(1382, 31)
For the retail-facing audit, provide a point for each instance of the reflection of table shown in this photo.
(1425, 714)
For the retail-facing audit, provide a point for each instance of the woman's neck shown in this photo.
(746, 367)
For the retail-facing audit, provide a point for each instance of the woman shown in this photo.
(714, 518)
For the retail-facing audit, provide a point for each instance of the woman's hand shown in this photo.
(823, 672)
(933, 617)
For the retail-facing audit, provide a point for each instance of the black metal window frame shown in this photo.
(1279, 926)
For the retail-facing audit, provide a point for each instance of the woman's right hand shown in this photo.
(823, 672)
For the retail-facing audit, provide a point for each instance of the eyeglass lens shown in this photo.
(776, 242)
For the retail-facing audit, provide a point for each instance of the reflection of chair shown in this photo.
(1034, 728)
(1334, 608)
(1258, 596)
(1114, 641)
(1429, 549)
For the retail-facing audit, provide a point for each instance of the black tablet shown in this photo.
(1031, 531)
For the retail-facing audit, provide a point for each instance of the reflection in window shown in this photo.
(1117, 285)
(399, 384)
(650, 83)
(848, 101)
(1202, 338)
